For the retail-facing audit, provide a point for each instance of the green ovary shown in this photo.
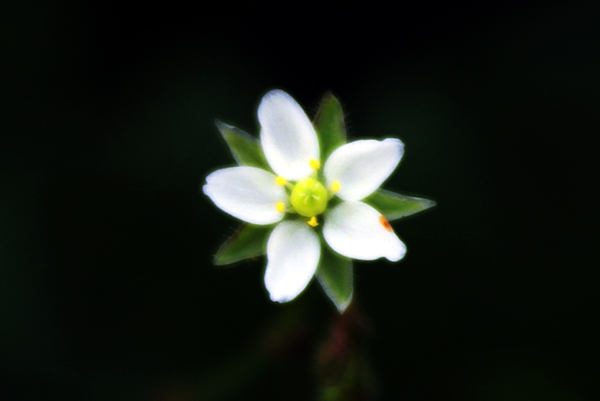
(309, 197)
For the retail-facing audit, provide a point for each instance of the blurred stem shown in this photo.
(343, 370)
(341, 367)
(284, 336)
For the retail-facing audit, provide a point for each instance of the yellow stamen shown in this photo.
(280, 180)
(280, 207)
(313, 222)
(315, 164)
(335, 186)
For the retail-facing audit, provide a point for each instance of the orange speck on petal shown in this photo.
(385, 223)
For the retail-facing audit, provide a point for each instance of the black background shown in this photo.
(107, 289)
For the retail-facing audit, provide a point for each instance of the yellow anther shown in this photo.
(335, 186)
(280, 207)
(313, 222)
(280, 180)
(315, 164)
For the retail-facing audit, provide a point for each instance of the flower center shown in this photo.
(309, 197)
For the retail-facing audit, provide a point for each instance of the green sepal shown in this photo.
(249, 241)
(336, 278)
(245, 148)
(394, 206)
(329, 124)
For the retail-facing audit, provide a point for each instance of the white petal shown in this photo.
(248, 193)
(361, 166)
(355, 230)
(293, 253)
(288, 138)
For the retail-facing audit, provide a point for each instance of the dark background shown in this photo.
(107, 290)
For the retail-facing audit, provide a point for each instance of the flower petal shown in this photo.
(356, 230)
(288, 138)
(360, 167)
(248, 193)
(293, 253)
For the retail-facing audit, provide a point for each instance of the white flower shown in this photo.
(295, 199)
